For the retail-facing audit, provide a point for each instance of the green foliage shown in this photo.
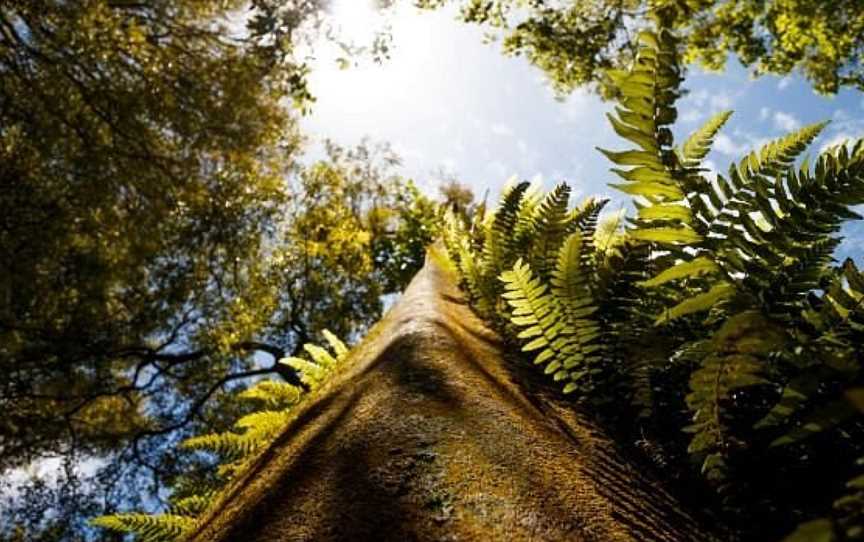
(148, 528)
(719, 306)
(237, 448)
(152, 366)
(544, 296)
(575, 43)
(556, 320)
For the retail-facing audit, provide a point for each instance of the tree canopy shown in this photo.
(160, 241)
(164, 244)
(574, 42)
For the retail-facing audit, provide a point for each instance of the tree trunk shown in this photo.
(427, 436)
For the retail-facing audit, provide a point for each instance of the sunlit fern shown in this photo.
(235, 449)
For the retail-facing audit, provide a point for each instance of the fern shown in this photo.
(499, 246)
(274, 394)
(556, 320)
(148, 528)
(736, 361)
(252, 433)
(549, 229)
(719, 300)
(698, 145)
(193, 505)
(846, 523)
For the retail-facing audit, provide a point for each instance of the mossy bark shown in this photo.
(427, 436)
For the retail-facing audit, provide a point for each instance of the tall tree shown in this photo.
(574, 41)
(349, 233)
(152, 253)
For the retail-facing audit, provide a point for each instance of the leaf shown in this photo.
(668, 235)
(666, 211)
(633, 158)
(817, 530)
(335, 343)
(822, 419)
(699, 303)
(699, 143)
(651, 190)
(694, 268)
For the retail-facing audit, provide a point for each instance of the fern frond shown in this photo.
(736, 361)
(228, 445)
(823, 418)
(193, 505)
(339, 348)
(699, 143)
(498, 247)
(655, 175)
(547, 328)
(846, 521)
(687, 269)
(274, 393)
(311, 374)
(549, 229)
(263, 422)
(482, 292)
(569, 282)
(148, 528)
(528, 216)
(319, 355)
(718, 293)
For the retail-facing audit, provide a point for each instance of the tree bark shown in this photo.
(428, 436)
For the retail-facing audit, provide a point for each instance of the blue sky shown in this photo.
(448, 101)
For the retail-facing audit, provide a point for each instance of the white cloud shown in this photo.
(786, 121)
(721, 100)
(691, 115)
(724, 144)
(498, 170)
(577, 107)
(501, 129)
(839, 139)
(783, 83)
(764, 113)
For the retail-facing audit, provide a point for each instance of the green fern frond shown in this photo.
(752, 184)
(263, 422)
(528, 216)
(684, 270)
(319, 355)
(846, 521)
(569, 282)
(566, 348)
(823, 418)
(193, 505)
(499, 248)
(609, 233)
(311, 374)
(228, 445)
(252, 433)
(654, 174)
(718, 293)
(336, 344)
(550, 229)
(483, 293)
(736, 361)
(699, 143)
(148, 528)
(274, 393)
(452, 234)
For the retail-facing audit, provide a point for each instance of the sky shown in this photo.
(447, 101)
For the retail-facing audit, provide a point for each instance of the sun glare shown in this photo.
(356, 21)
